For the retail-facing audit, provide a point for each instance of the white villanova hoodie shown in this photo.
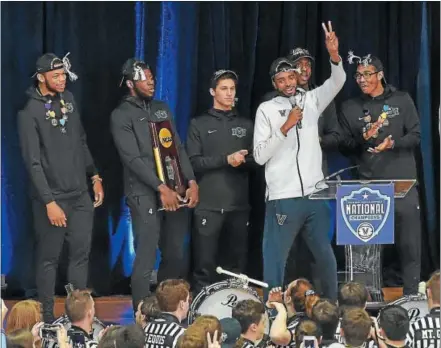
(285, 178)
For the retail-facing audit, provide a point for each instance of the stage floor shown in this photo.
(118, 309)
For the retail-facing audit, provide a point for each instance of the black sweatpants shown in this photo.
(218, 238)
(50, 240)
(150, 229)
(408, 239)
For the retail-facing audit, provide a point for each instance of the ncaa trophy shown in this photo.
(166, 156)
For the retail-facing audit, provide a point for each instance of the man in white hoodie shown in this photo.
(286, 141)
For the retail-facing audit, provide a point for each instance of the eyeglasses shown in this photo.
(367, 75)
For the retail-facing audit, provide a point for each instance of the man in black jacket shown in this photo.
(218, 144)
(56, 156)
(142, 186)
(382, 131)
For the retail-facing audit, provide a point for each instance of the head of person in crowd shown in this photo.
(223, 86)
(325, 314)
(283, 76)
(138, 78)
(352, 294)
(23, 315)
(369, 75)
(231, 331)
(302, 61)
(21, 338)
(433, 290)
(131, 336)
(251, 316)
(80, 309)
(196, 334)
(311, 299)
(307, 327)
(393, 323)
(174, 297)
(195, 338)
(147, 310)
(299, 296)
(355, 326)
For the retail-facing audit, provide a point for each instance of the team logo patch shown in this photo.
(161, 114)
(284, 113)
(165, 138)
(391, 111)
(69, 107)
(281, 219)
(239, 132)
(365, 212)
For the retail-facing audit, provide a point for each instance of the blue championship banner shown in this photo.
(365, 214)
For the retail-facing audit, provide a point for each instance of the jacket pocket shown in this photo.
(143, 206)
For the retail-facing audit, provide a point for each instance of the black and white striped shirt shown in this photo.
(163, 332)
(247, 343)
(425, 332)
(291, 325)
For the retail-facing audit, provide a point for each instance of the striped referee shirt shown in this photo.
(425, 332)
(247, 343)
(163, 332)
(291, 325)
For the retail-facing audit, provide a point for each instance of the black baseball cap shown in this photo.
(298, 53)
(231, 331)
(48, 62)
(281, 64)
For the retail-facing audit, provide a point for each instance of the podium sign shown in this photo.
(365, 214)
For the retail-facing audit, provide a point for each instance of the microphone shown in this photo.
(298, 100)
(336, 174)
(340, 172)
(220, 270)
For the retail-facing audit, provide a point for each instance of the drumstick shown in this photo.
(220, 270)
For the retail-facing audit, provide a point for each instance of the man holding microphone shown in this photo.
(288, 145)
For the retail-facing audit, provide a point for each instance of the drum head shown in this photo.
(416, 306)
(220, 298)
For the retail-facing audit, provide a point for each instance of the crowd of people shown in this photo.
(301, 319)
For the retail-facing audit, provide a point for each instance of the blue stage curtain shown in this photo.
(22, 20)
(427, 118)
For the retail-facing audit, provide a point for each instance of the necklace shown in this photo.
(57, 121)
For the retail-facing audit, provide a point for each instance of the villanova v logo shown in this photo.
(281, 219)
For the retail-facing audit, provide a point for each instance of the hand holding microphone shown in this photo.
(295, 117)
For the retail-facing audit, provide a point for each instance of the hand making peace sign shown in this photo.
(331, 42)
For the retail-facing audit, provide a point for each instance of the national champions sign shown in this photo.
(365, 214)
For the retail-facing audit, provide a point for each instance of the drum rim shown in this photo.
(222, 285)
(404, 299)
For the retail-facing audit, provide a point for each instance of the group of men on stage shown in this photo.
(292, 128)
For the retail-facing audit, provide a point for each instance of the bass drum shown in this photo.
(97, 325)
(415, 305)
(220, 298)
